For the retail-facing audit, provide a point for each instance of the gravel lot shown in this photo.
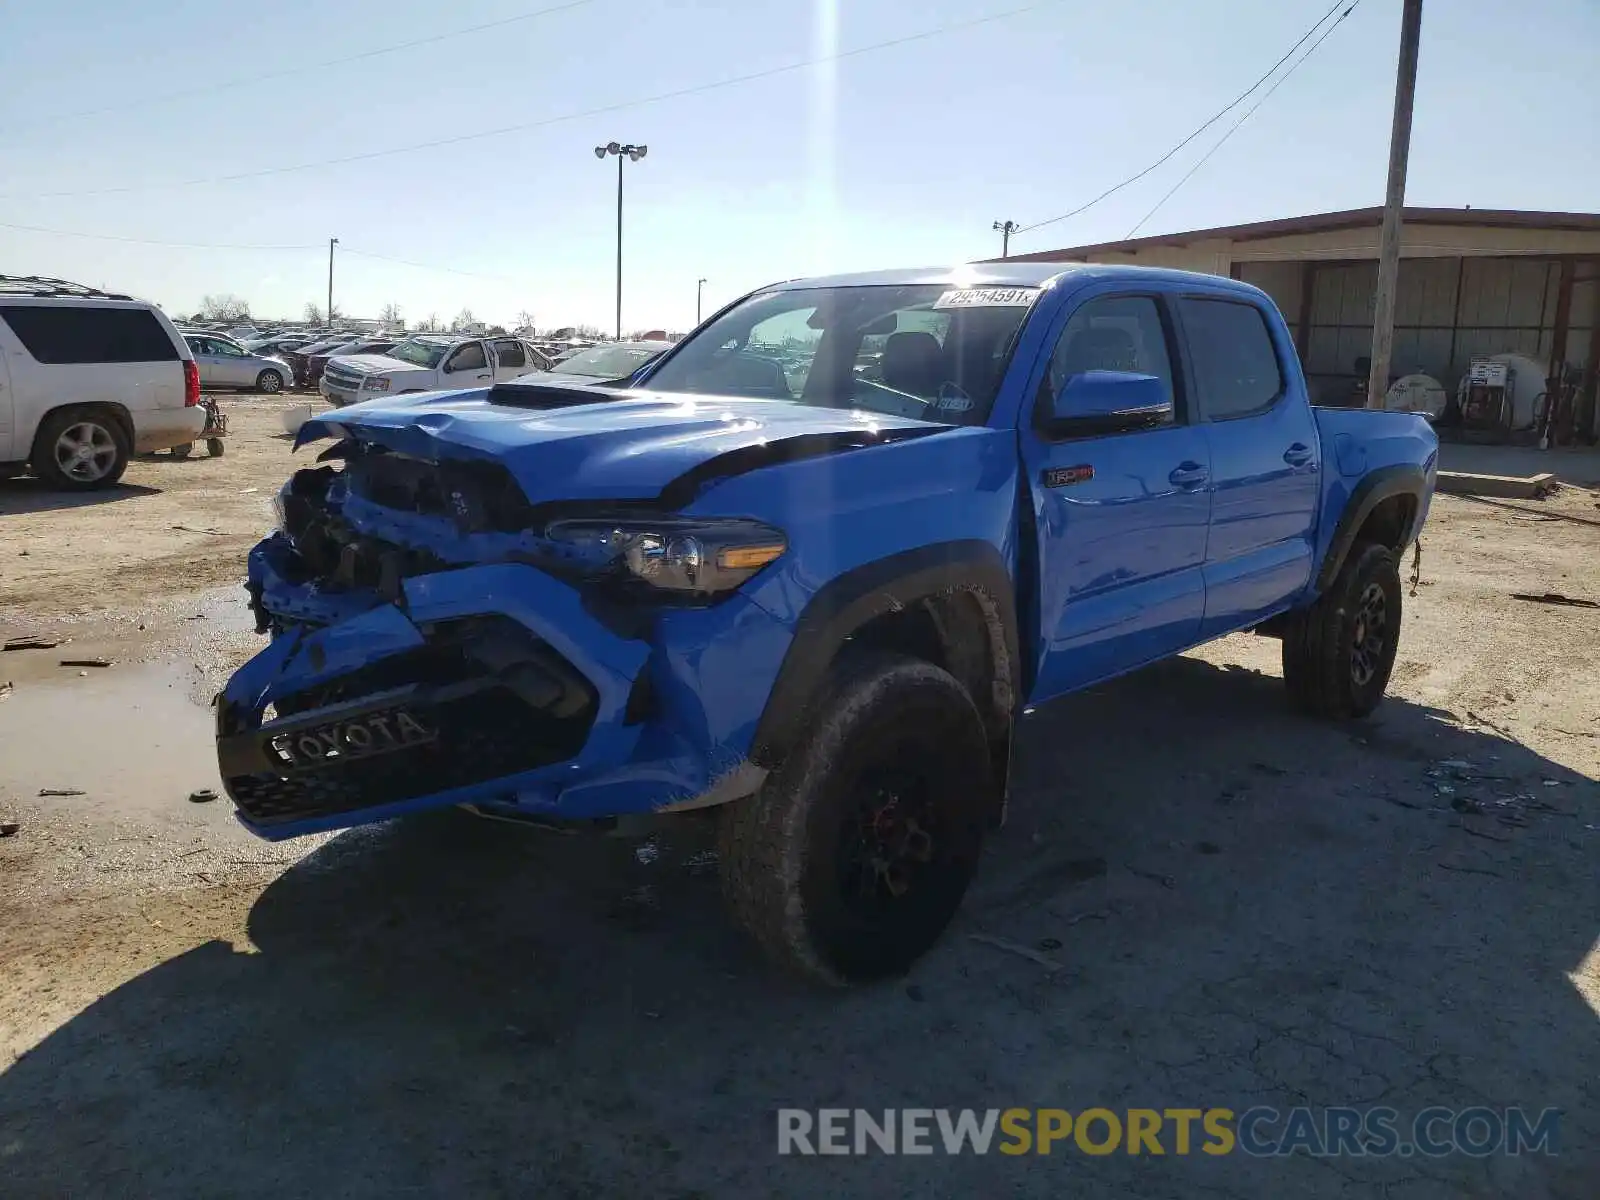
(1233, 906)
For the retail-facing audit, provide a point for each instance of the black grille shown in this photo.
(490, 718)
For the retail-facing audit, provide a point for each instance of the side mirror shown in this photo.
(1098, 402)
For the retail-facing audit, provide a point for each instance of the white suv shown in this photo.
(88, 378)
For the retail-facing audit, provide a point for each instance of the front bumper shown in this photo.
(636, 719)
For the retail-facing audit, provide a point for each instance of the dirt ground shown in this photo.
(1218, 904)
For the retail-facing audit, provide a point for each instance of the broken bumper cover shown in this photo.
(491, 685)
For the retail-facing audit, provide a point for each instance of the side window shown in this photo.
(64, 334)
(1235, 366)
(468, 358)
(509, 353)
(1114, 333)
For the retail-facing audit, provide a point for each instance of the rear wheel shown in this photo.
(270, 382)
(215, 447)
(80, 449)
(1338, 654)
(855, 854)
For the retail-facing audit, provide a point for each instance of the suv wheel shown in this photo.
(80, 450)
(1337, 654)
(270, 382)
(855, 854)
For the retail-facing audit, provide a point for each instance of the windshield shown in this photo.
(607, 362)
(929, 351)
(419, 354)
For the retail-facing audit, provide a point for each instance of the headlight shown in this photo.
(373, 383)
(677, 554)
(279, 511)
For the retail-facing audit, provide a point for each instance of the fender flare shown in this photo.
(1385, 483)
(848, 602)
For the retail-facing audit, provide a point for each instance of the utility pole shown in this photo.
(1005, 229)
(332, 242)
(1405, 91)
(699, 288)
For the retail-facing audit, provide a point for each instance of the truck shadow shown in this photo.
(1248, 908)
(29, 495)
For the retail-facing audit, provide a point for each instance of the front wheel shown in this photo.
(270, 382)
(855, 854)
(1338, 654)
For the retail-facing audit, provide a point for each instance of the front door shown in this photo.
(1265, 459)
(1121, 519)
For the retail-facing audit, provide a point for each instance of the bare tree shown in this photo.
(525, 321)
(313, 314)
(390, 315)
(464, 318)
(430, 323)
(224, 307)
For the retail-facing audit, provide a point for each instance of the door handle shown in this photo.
(482, 377)
(1189, 475)
(1297, 455)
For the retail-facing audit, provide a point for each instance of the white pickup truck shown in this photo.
(429, 363)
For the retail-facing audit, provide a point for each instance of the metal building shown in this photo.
(1473, 282)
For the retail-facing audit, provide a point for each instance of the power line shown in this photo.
(108, 237)
(425, 266)
(133, 241)
(1210, 121)
(1234, 128)
(602, 110)
(189, 93)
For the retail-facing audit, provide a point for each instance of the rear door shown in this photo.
(510, 359)
(213, 366)
(1120, 520)
(1265, 457)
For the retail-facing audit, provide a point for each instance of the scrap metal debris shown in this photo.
(1019, 950)
(62, 792)
(6, 689)
(41, 641)
(85, 662)
(202, 796)
(1555, 598)
(9, 829)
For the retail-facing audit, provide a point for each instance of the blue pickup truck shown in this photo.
(801, 576)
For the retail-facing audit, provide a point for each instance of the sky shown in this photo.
(118, 120)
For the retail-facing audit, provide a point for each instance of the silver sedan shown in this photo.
(224, 363)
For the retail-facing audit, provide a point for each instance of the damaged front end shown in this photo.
(440, 639)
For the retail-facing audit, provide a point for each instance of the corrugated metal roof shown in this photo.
(1353, 218)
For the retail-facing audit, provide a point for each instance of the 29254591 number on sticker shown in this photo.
(987, 297)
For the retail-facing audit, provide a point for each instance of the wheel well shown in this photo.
(959, 631)
(110, 409)
(1389, 522)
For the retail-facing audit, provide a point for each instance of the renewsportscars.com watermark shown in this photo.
(1261, 1131)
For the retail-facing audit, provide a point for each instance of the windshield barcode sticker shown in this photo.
(987, 297)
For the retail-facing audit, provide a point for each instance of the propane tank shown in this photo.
(1418, 394)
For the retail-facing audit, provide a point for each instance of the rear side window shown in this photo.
(89, 335)
(1236, 368)
(510, 354)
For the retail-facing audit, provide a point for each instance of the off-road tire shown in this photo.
(216, 447)
(43, 460)
(1320, 665)
(270, 382)
(785, 853)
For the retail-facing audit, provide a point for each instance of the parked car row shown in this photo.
(428, 362)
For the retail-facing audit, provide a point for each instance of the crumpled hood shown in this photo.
(573, 442)
(376, 364)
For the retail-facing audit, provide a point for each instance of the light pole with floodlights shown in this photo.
(635, 153)
(699, 286)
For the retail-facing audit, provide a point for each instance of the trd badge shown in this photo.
(1067, 476)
